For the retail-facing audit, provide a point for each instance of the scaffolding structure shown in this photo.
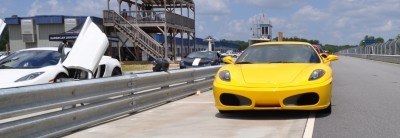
(144, 19)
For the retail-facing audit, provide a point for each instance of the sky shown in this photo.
(338, 22)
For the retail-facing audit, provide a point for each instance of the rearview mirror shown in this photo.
(332, 58)
(228, 60)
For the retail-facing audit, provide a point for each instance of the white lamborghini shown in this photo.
(50, 64)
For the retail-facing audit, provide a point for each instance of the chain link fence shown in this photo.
(388, 48)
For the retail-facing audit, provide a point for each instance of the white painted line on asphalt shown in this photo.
(308, 131)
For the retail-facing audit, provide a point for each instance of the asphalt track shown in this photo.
(366, 101)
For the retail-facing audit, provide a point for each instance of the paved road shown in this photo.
(196, 116)
(366, 101)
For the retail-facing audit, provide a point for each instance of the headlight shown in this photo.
(225, 75)
(30, 76)
(316, 74)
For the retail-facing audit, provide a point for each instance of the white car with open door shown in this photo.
(47, 65)
(2, 27)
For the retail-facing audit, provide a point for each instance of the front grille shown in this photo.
(234, 100)
(310, 98)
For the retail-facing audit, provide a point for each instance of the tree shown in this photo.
(398, 36)
(380, 40)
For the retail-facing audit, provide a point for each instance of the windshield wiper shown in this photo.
(244, 62)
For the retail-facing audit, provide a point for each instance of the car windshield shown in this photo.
(209, 55)
(279, 54)
(30, 59)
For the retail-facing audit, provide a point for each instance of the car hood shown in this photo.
(11, 75)
(88, 49)
(272, 73)
(2, 26)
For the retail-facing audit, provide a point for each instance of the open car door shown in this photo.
(2, 26)
(88, 49)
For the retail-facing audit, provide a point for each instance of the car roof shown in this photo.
(282, 43)
(67, 49)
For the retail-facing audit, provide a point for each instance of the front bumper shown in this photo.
(274, 98)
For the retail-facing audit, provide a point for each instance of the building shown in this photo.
(31, 32)
(262, 30)
(35, 31)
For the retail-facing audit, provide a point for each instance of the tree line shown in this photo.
(328, 47)
(377, 40)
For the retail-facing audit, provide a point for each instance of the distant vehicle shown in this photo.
(231, 53)
(3, 55)
(275, 76)
(200, 59)
(51, 64)
(320, 51)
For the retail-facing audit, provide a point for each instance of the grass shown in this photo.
(141, 66)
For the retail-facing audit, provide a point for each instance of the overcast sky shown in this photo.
(330, 21)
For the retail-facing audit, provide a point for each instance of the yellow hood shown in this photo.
(272, 73)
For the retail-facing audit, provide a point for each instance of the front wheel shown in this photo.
(58, 78)
(327, 110)
(224, 111)
(116, 72)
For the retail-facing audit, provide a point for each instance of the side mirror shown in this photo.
(323, 55)
(228, 60)
(332, 58)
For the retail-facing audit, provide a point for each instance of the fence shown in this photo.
(385, 52)
(36, 111)
(388, 48)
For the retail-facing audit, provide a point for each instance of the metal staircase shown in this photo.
(142, 40)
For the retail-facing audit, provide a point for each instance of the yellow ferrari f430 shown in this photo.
(275, 76)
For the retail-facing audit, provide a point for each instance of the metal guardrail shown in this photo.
(36, 111)
(383, 58)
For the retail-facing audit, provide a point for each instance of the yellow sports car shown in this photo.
(275, 76)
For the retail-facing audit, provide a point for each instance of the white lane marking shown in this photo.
(308, 131)
(196, 62)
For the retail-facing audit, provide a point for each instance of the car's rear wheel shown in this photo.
(58, 78)
(116, 72)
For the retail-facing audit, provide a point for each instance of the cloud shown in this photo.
(34, 8)
(90, 7)
(387, 26)
(272, 4)
(309, 13)
(212, 7)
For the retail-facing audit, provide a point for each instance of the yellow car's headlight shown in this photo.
(225, 75)
(316, 74)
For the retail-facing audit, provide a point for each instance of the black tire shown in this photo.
(327, 110)
(224, 112)
(58, 77)
(116, 72)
